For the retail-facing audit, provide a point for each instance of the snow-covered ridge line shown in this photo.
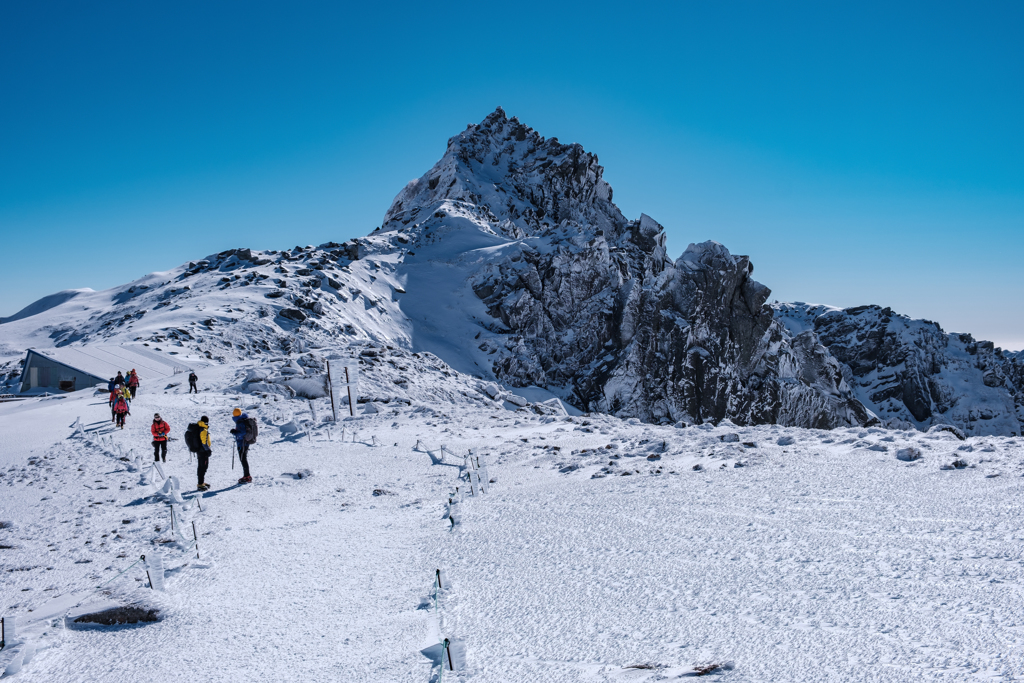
(509, 261)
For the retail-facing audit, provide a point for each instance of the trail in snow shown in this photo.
(822, 559)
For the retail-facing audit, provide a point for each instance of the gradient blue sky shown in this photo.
(859, 152)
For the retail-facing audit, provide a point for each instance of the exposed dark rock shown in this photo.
(293, 314)
(120, 615)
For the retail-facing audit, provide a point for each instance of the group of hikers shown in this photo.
(122, 390)
(197, 436)
(197, 440)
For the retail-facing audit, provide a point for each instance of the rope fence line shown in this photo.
(474, 473)
(25, 646)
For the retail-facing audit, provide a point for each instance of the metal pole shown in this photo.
(196, 537)
(330, 386)
(351, 410)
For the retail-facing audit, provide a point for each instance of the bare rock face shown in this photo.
(583, 299)
(911, 371)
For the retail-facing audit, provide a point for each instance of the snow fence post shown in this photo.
(457, 653)
(155, 571)
(196, 537)
(348, 382)
(330, 386)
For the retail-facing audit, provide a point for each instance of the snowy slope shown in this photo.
(509, 261)
(602, 550)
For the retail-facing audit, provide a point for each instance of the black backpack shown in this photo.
(251, 430)
(192, 438)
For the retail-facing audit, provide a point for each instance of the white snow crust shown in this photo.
(602, 550)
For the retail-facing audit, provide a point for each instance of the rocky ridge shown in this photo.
(912, 373)
(508, 260)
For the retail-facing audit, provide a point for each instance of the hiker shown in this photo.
(119, 380)
(133, 382)
(197, 438)
(121, 411)
(112, 388)
(192, 379)
(126, 394)
(160, 430)
(245, 434)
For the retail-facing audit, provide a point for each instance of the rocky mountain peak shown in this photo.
(524, 183)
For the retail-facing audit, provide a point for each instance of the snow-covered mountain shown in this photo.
(509, 261)
(913, 372)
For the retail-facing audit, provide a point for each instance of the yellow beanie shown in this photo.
(236, 412)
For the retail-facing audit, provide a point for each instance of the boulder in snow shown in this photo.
(908, 454)
(934, 429)
(491, 389)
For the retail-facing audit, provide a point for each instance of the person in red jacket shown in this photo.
(160, 430)
(133, 382)
(121, 411)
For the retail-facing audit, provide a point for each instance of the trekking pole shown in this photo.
(232, 460)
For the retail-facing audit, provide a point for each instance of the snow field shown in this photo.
(312, 577)
(604, 550)
(823, 564)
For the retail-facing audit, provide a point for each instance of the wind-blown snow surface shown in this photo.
(787, 555)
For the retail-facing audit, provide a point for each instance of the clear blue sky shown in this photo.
(859, 153)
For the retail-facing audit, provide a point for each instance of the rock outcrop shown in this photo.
(911, 372)
(582, 299)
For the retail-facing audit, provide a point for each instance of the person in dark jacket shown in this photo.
(160, 430)
(243, 448)
(119, 380)
(192, 379)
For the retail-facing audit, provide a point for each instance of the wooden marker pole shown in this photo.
(196, 537)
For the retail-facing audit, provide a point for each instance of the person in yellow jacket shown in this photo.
(205, 450)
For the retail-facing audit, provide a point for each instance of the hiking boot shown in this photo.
(203, 487)
(245, 480)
